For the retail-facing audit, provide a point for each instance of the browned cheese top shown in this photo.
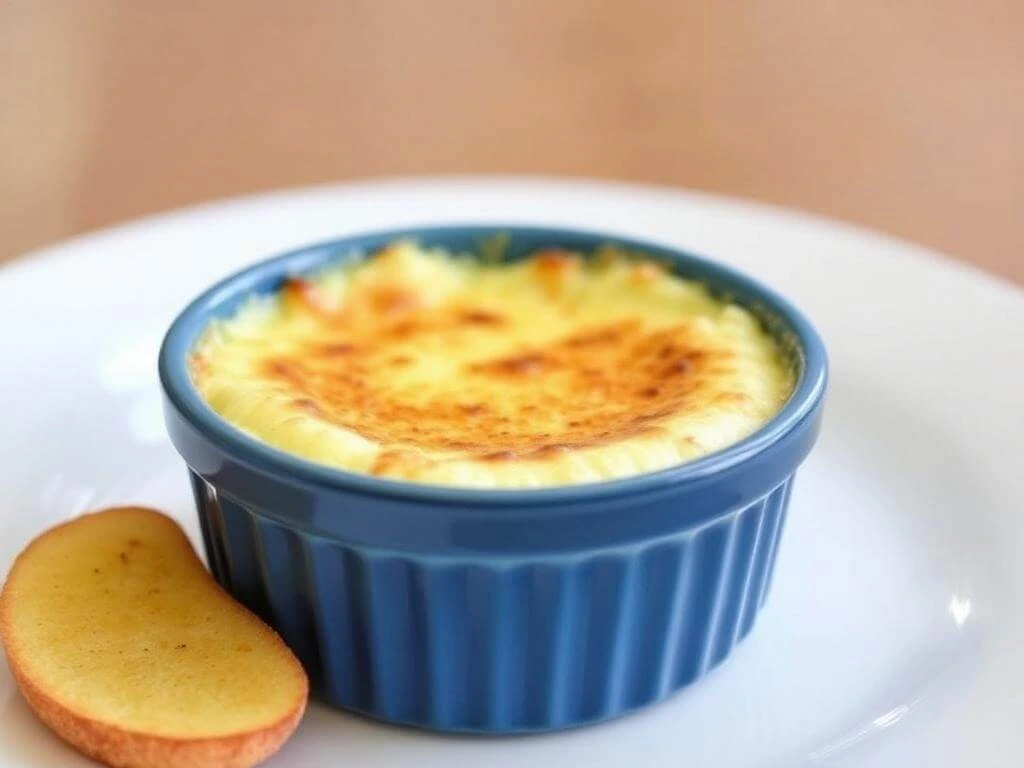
(554, 370)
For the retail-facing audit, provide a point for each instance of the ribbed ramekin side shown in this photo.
(499, 644)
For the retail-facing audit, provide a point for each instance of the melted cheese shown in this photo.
(555, 370)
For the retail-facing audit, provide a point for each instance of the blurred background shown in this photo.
(907, 117)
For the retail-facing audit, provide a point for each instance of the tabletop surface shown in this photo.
(904, 118)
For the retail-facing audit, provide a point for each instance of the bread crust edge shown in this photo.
(124, 748)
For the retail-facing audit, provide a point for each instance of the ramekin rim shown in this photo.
(267, 459)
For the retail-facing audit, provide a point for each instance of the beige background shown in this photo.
(908, 117)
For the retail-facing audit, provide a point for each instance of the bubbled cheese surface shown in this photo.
(555, 370)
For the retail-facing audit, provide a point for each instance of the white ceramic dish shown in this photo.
(895, 631)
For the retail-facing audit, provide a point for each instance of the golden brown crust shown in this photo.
(555, 369)
(126, 749)
(117, 746)
(608, 382)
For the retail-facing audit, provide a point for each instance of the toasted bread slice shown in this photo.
(125, 646)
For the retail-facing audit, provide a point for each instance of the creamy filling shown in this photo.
(419, 365)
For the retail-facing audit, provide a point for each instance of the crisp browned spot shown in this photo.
(541, 451)
(676, 367)
(284, 369)
(389, 460)
(392, 300)
(480, 317)
(608, 334)
(553, 266)
(473, 409)
(385, 460)
(517, 365)
(499, 456)
(404, 329)
(307, 405)
(303, 294)
(336, 348)
(399, 360)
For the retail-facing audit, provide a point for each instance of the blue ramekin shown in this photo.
(495, 611)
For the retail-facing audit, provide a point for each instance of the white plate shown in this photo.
(894, 634)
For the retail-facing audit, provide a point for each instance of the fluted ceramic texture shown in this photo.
(506, 644)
